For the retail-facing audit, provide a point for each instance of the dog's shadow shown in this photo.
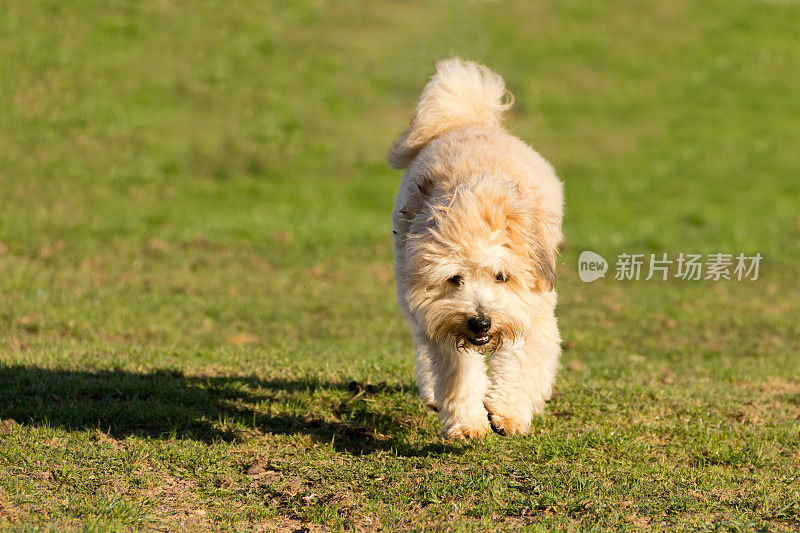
(169, 405)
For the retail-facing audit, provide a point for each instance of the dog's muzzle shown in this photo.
(479, 327)
(480, 341)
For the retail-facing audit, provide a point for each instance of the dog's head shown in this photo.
(478, 259)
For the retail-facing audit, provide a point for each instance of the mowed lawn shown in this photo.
(198, 327)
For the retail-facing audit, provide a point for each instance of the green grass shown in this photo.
(195, 264)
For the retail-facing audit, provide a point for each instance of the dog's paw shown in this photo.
(508, 423)
(465, 431)
(469, 425)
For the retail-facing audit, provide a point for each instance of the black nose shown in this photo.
(479, 324)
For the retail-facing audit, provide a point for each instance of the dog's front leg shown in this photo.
(522, 376)
(426, 371)
(460, 386)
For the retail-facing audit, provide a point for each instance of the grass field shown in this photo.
(197, 318)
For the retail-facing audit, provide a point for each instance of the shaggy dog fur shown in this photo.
(477, 223)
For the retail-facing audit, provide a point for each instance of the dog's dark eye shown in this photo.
(456, 280)
(501, 277)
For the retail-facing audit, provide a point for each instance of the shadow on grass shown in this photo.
(166, 404)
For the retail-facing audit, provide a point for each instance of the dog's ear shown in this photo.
(534, 234)
(547, 235)
(543, 266)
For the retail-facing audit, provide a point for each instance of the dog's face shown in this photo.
(476, 266)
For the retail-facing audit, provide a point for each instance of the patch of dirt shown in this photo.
(242, 338)
(176, 500)
(289, 488)
(8, 511)
(44, 475)
(748, 416)
(779, 386)
(31, 324)
(7, 427)
(156, 247)
(15, 345)
(383, 272)
(356, 432)
(408, 421)
(112, 486)
(576, 366)
(668, 377)
(263, 474)
(48, 250)
(290, 525)
(283, 237)
(105, 438)
(200, 242)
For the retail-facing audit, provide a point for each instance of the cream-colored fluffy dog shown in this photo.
(477, 224)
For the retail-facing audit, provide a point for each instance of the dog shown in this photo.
(476, 224)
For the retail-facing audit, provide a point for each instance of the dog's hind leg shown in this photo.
(425, 372)
(522, 375)
(460, 386)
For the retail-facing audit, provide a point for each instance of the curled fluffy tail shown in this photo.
(461, 92)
